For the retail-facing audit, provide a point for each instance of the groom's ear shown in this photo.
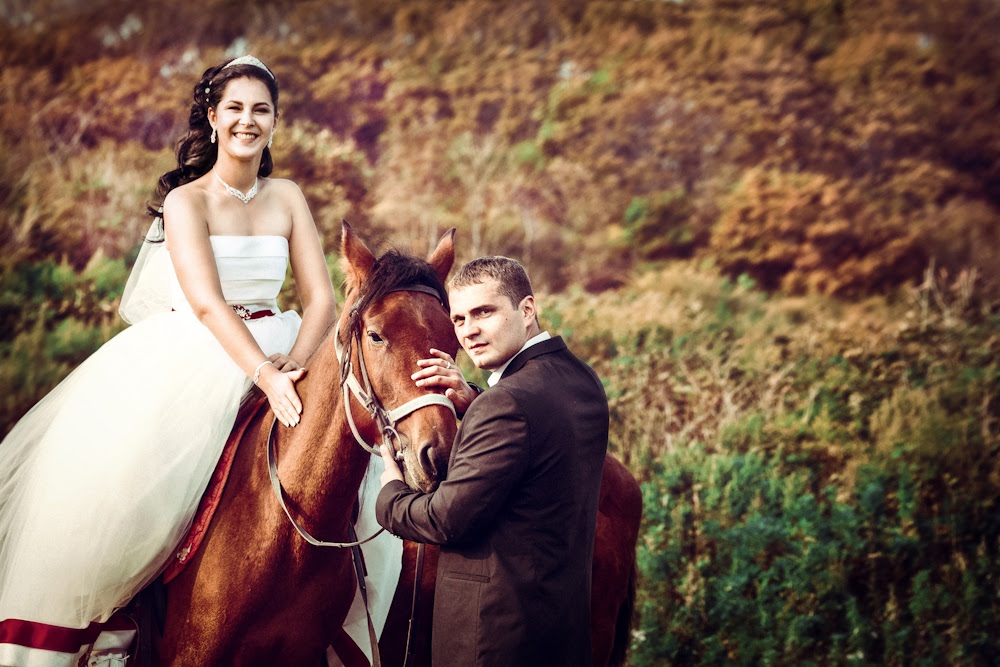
(528, 308)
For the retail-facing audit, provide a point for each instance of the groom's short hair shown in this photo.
(507, 272)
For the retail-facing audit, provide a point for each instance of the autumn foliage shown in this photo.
(815, 145)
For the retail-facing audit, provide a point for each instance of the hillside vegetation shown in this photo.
(772, 227)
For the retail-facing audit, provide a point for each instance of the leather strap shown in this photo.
(419, 572)
(279, 492)
(359, 569)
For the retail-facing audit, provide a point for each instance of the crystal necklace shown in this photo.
(245, 198)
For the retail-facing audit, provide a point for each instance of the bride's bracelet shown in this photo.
(256, 372)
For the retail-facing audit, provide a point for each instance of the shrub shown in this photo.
(661, 226)
(743, 564)
(807, 232)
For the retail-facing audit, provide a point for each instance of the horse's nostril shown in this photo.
(427, 461)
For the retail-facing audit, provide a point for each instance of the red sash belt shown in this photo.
(47, 637)
(245, 313)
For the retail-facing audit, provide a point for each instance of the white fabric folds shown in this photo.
(147, 290)
(100, 480)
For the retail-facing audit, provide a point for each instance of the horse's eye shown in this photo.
(375, 338)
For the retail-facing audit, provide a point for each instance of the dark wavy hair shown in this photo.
(196, 154)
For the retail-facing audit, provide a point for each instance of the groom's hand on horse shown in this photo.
(392, 470)
(441, 371)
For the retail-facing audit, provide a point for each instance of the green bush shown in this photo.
(743, 564)
(821, 478)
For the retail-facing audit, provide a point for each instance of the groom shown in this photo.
(516, 513)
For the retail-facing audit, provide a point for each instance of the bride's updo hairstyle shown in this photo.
(196, 153)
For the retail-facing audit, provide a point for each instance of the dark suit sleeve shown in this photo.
(491, 454)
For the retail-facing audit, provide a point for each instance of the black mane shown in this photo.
(394, 270)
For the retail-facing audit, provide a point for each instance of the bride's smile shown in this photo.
(244, 118)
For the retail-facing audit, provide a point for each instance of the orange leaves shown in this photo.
(818, 144)
(809, 233)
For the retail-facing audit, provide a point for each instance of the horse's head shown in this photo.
(395, 311)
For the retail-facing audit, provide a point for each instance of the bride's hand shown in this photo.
(283, 362)
(279, 388)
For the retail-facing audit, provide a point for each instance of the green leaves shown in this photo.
(751, 568)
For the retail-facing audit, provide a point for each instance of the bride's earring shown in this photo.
(212, 139)
(270, 140)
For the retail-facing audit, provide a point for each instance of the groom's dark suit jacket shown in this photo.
(515, 517)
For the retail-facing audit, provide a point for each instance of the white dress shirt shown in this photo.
(495, 375)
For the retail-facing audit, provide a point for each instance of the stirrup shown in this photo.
(108, 658)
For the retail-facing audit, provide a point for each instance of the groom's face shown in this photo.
(490, 328)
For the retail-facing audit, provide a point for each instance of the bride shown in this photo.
(100, 480)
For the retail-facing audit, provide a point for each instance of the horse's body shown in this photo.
(612, 582)
(256, 593)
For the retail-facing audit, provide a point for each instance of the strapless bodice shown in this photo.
(251, 270)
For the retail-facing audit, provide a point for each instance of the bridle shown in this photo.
(365, 395)
(386, 419)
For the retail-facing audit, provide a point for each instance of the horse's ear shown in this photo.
(356, 260)
(444, 255)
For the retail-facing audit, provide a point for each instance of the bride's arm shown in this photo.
(194, 263)
(312, 278)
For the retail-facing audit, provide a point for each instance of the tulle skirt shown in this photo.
(100, 480)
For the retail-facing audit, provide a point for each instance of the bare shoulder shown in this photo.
(185, 206)
(292, 200)
(188, 197)
(287, 189)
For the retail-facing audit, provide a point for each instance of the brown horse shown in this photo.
(256, 593)
(612, 582)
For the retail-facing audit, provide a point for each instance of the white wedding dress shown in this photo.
(100, 480)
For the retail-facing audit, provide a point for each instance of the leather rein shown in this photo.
(365, 395)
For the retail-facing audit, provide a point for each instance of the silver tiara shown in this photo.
(249, 60)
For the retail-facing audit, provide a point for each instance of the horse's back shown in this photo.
(621, 497)
(613, 580)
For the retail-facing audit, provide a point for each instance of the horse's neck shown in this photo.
(321, 451)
